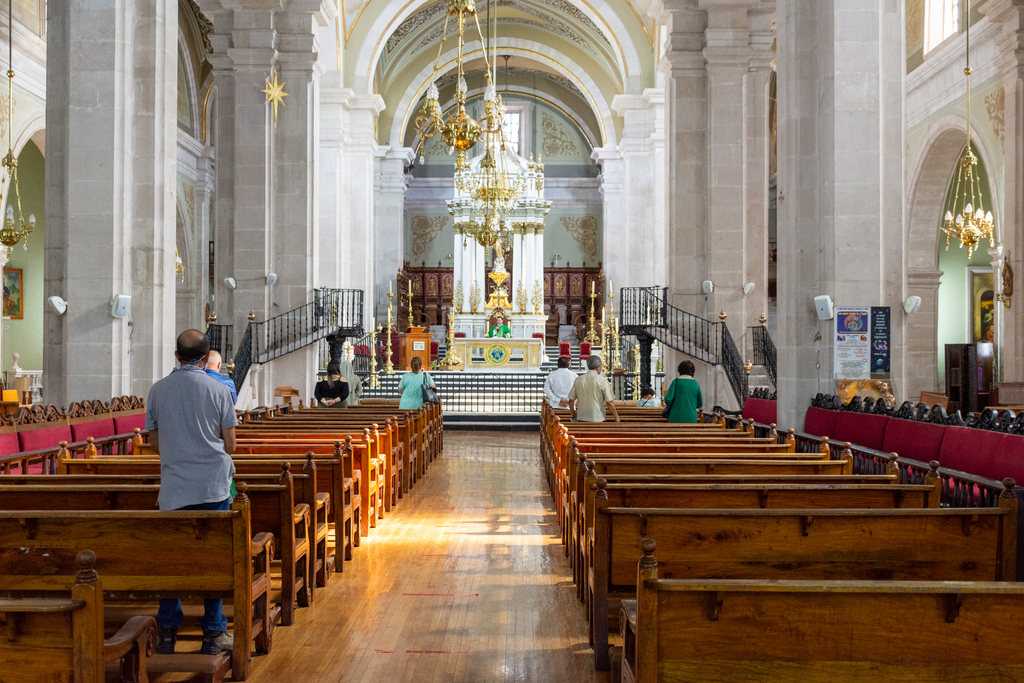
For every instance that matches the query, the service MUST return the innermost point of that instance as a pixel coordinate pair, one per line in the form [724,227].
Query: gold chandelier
[9,234]
[968,222]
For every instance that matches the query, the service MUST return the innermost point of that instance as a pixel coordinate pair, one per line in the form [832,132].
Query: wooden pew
[146,555]
[334,477]
[841,631]
[272,509]
[61,638]
[821,544]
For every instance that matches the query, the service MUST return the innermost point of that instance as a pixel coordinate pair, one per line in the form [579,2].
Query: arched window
[941,20]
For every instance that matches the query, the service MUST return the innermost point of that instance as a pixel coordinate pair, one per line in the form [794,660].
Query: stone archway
[926,197]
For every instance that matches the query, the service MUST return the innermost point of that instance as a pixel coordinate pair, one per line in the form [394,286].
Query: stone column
[389,213]
[111,84]
[633,179]
[1010,229]
[841,69]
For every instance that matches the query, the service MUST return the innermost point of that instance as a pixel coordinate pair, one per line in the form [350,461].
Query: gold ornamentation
[556,141]
[275,94]
[188,193]
[389,366]
[538,297]
[373,382]
[458,297]
[451,360]
[9,234]
[424,230]
[474,297]
[592,336]
[583,229]
[521,297]
[995,104]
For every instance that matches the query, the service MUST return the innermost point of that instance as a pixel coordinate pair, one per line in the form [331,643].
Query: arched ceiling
[578,53]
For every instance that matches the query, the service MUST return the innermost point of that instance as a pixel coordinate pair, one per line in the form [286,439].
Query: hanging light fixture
[968,222]
[10,235]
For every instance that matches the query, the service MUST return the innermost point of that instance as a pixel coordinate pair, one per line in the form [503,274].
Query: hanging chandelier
[968,222]
[10,235]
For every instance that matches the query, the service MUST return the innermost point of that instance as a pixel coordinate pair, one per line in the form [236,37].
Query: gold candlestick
[389,367]
[605,361]
[636,360]
[410,304]
[373,382]
[617,365]
[592,337]
[451,360]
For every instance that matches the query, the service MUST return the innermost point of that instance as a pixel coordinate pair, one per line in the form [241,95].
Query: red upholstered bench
[986,454]
[820,422]
[861,429]
[915,440]
[760,410]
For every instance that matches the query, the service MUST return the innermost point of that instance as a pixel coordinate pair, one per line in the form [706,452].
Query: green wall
[953,304]
[25,337]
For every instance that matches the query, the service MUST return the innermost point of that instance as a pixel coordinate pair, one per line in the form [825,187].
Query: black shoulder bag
[429,393]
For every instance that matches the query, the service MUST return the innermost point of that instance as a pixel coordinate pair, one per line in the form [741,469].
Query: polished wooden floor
[466,580]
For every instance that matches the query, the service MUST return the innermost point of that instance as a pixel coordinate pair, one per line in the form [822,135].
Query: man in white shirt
[558,384]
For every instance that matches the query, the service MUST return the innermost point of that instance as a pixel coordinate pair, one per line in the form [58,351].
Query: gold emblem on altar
[497,354]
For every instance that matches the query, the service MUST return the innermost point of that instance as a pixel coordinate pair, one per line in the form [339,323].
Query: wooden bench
[820,544]
[334,477]
[144,556]
[61,638]
[284,505]
[840,631]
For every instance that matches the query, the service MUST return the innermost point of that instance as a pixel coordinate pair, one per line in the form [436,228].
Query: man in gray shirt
[191,422]
[591,395]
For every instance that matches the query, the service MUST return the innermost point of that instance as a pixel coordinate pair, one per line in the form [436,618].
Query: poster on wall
[14,304]
[862,343]
[981,305]
[852,359]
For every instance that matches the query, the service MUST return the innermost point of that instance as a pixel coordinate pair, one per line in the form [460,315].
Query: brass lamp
[968,222]
[9,234]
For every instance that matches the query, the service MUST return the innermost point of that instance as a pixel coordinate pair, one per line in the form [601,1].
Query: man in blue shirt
[213,370]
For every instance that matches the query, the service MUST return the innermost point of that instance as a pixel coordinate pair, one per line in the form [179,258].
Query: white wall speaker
[823,305]
[57,304]
[271,279]
[912,304]
[748,288]
[230,283]
[708,286]
[121,306]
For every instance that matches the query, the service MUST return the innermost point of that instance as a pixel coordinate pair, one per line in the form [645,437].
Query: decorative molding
[995,104]
[583,229]
[189,195]
[915,24]
[5,106]
[424,230]
[205,25]
[556,141]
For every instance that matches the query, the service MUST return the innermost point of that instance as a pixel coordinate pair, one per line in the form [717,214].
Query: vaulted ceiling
[575,54]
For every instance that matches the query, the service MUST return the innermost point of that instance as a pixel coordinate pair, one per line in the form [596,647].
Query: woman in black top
[332,392]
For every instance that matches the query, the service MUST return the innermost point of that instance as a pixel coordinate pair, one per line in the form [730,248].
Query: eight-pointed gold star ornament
[275,93]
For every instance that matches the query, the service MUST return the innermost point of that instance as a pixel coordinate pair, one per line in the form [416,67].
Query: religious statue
[499,328]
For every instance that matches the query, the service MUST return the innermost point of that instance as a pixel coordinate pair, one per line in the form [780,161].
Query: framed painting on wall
[982,303]
[14,296]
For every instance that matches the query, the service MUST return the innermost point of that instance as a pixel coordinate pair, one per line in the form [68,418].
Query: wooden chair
[61,639]
[933,398]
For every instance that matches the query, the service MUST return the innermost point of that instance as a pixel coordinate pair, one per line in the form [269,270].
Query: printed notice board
[862,337]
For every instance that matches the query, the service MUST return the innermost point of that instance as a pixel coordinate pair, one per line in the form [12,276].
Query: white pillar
[841,197]
[111,84]
[389,214]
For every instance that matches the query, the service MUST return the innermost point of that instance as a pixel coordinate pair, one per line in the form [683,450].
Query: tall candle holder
[389,367]
[373,382]
[617,362]
[410,304]
[451,360]
[592,336]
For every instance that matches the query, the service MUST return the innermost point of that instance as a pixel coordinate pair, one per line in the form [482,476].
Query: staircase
[764,373]
[646,312]
[332,311]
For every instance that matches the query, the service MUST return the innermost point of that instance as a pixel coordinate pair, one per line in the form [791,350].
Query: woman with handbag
[683,397]
[412,385]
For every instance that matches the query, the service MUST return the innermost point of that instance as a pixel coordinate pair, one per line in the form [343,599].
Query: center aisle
[466,580]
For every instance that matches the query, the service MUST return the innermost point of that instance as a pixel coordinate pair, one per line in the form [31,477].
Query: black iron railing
[331,312]
[220,338]
[476,392]
[764,351]
[647,313]
[243,359]
[361,349]
[733,365]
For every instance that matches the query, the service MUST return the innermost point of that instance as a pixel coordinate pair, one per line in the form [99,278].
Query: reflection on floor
[465,581]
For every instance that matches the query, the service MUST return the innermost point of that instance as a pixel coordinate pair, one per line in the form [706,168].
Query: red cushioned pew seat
[820,422]
[760,410]
[986,454]
[862,429]
[97,429]
[915,440]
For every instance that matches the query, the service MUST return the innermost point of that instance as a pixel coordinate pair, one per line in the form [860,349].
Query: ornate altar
[567,296]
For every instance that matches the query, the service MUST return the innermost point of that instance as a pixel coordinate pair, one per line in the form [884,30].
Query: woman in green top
[684,395]
[411,386]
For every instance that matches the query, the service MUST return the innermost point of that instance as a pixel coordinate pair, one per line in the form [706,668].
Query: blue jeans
[170,616]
